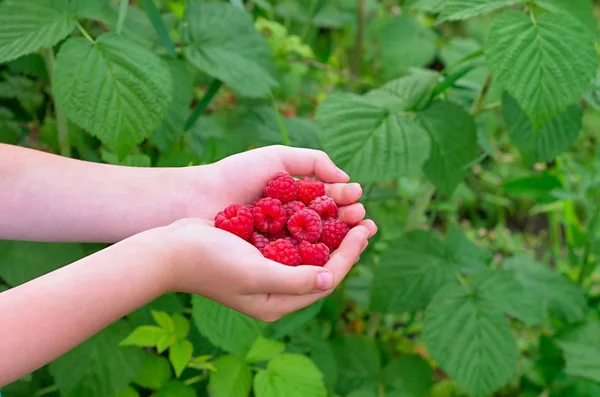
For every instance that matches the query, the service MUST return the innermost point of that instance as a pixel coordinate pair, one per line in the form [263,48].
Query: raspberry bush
[472,126]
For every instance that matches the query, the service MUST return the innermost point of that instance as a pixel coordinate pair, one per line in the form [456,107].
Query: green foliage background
[472,125]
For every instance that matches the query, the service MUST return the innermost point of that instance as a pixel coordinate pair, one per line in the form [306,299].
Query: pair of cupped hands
[227,269]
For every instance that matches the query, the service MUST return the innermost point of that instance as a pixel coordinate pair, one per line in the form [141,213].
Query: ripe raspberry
[309,189]
[313,254]
[333,233]
[305,225]
[236,219]
[280,234]
[325,207]
[282,187]
[259,241]
[292,207]
[269,215]
[282,251]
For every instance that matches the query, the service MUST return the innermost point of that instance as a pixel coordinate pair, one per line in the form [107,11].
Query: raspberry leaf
[410,374]
[29,25]
[113,88]
[545,63]
[290,375]
[226,328]
[154,373]
[413,269]
[232,377]
[453,135]
[264,349]
[468,335]
[581,347]
[145,336]
[99,367]
[370,142]
[543,143]
[358,361]
[580,9]
[455,10]
[224,44]
[180,354]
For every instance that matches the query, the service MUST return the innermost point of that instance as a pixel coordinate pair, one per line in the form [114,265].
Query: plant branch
[213,88]
[360,33]
[478,104]
[282,130]
[61,121]
[85,33]
[122,15]
[155,18]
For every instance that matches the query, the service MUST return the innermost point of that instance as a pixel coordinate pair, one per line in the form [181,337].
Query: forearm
[44,197]
[48,316]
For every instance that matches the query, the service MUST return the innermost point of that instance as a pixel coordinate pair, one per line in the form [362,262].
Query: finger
[372,226]
[275,278]
[305,162]
[344,193]
[352,214]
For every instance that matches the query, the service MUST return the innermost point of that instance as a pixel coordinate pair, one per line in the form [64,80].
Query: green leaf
[549,289]
[545,65]
[180,354]
[413,268]
[408,93]
[144,336]
[22,261]
[225,45]
[543,143]
[358,361]
[182,325]
[582,350]
[226,328]
[164,321]
[464,9]
[98,367]
[175,389]
[290,375]
[132,160]
[580,9]
[291,322]
[264,349]
[29,25]
[311,343]
[154,373]
[411,375]
[173,126]
[127,392]
[470,339]
[232,377]
[115,89]
[453,135]
[405,43]
[369,142]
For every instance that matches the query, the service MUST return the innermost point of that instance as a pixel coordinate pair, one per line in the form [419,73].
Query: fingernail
[324,281]
[343,173]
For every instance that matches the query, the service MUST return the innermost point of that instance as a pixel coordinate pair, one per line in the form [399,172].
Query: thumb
[276,278]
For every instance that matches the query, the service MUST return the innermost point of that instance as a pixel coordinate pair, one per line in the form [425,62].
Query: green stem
[213,88]
[420,207]
[478,104]
[195,379]
[46,390]
[282,129]
[373,324]
[555,238]
[61,121]
[122,15]
[359,40]
[155,18]
[587,265]
[85,33]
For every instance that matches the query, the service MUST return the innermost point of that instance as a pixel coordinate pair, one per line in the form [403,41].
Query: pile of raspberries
[295,223]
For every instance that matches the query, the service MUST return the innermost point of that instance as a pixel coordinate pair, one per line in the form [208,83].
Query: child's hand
[241,179]
[211,262]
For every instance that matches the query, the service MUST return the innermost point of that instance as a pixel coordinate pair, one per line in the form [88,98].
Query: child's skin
[161,219]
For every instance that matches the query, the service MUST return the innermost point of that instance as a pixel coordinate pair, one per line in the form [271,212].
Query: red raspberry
[269,215]
[282,187]
[280,234]
[333,233]
[313,254]
[259,241]
[325,207]
[236,219]
[282,251]
[309,189]
[292,207]
[305,225]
